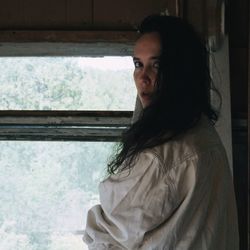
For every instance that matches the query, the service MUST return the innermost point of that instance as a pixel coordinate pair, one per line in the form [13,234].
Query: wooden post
[248,233]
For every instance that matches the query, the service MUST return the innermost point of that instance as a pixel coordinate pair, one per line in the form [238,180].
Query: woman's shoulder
[198,140]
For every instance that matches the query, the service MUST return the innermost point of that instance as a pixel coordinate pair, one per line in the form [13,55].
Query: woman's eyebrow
[151,58]
[155,57]
[135,58]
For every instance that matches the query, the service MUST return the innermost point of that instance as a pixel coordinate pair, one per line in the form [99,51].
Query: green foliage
[63,84]
[46,190]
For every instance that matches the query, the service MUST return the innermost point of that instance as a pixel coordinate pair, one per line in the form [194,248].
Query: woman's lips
[145,97]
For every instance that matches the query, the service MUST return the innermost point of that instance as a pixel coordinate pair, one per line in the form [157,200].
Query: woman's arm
[131,206]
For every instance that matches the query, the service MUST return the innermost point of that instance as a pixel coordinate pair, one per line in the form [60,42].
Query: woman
[170,185]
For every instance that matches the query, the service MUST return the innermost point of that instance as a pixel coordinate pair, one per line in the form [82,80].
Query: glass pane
[46,189]
[67,83]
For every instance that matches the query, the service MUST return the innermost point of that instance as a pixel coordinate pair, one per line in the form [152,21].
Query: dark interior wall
[238,24]
[238,42]
[78,14]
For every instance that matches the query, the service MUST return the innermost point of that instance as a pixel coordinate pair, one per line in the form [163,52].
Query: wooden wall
[238,39]
[239,64]
[79,14]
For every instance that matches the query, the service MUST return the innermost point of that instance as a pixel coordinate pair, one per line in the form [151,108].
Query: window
[46,190]
[60,118]
[66,83]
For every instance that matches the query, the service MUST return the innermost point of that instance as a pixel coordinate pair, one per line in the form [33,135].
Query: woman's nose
[145,76]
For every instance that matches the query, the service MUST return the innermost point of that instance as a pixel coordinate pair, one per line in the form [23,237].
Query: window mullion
[64,125]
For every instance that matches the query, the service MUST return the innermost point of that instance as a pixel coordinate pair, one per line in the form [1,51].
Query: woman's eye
[137,64]
[156,64]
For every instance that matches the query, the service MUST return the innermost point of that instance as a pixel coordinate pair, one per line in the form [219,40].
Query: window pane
[46,189]
[67,83]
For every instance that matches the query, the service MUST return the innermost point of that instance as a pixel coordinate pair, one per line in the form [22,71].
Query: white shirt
[178,196]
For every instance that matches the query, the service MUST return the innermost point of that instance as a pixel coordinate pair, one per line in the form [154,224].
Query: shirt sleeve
[132,204]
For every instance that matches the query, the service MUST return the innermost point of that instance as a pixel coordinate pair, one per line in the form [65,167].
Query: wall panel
[239,75]
[127,14]
[45,14]
[195,13]
[11,14]
[238,40]
[79,13]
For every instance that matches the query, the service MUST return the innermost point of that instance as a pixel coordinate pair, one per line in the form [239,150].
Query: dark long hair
[182,91]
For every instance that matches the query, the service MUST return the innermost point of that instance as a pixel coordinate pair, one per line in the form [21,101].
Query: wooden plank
[65,49]
[238,23]
[64,125]
[43,14]
[239,76]
[248,145]
[196,14]
[67,43]
[17,36]
[66,118]
[79,13]
[62,113]
[128,14]
[11,14]
[60,134]
[181,8]
[64,14]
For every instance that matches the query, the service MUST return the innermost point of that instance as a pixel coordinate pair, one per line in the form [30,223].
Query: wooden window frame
[65,125]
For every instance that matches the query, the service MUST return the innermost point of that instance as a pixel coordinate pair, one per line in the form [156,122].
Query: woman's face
[146,60]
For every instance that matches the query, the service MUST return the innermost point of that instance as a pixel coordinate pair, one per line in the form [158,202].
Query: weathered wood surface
[64,125]
[60,134]
[67,43]
[66,118]
[79,14]
[71,36]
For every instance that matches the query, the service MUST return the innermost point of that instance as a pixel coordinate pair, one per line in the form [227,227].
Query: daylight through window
[46,187]
[67,83]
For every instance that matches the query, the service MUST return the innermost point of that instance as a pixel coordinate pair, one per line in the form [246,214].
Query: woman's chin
[145,101]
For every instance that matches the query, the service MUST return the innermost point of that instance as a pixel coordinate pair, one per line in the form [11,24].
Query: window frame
[65,125]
